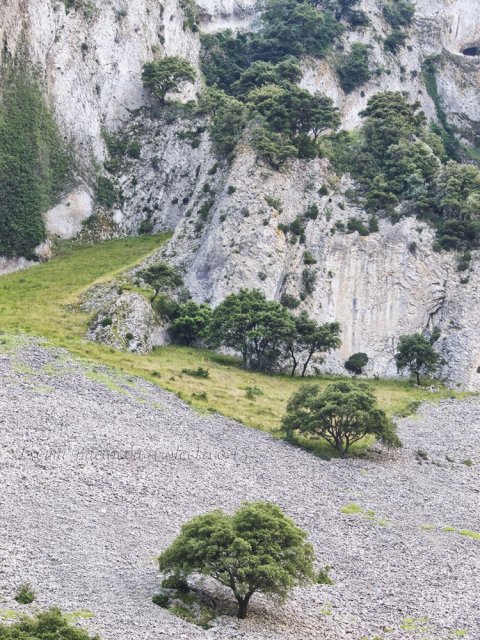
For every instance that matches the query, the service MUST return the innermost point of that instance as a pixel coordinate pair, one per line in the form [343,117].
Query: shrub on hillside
[341,414]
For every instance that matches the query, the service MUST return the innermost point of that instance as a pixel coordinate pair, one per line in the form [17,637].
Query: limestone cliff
[378,287]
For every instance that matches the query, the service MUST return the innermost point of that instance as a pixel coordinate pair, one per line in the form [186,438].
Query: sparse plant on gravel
[25,594]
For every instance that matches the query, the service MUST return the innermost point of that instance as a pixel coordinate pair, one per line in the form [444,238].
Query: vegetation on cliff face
[34,164]
[260,71]
[402,168]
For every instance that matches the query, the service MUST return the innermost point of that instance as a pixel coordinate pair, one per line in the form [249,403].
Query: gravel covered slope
[98,473]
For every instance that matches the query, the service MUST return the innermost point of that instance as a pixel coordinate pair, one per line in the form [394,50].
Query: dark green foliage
[308,259]
[309,280]
[190,12]
[257,549]
[161,277]
[272,146]
[399,165]
[464,261]
[394,41]
[145,227]
[416,353]
[398,13]
[200,372]
[25,594]
[161,599]
[44,626]
[254,326]
[356,363]
[312,212]
[353,68]
[293,28]
[293,111]
[289,301]
[354,224]
[165,75]
[34,165]
[106,322]
[443,129]
[373,224]
[261,70]
[262,73]
[223,58]
[310,341]
[191,322]
[228,118]
[134,149]
[166,307]
[175,582]
[290,121]
[106,193]
[341,414]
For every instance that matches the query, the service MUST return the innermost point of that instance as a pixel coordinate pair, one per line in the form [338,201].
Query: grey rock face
[376,287]
[127,323]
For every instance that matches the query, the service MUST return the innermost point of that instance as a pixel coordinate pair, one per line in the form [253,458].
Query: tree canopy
[253,326]
[165,75]
[356,363]
[161,277]
[257,549]
[401,168]
[416,353]
[191,322]
[268,335]
[343,413]
[311,341]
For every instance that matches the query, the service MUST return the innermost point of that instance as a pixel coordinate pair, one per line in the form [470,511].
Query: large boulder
[127,323]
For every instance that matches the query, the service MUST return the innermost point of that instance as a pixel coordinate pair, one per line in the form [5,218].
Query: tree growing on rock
[161,277]
[341,414]
[416,353]
[165,75]
[258,549]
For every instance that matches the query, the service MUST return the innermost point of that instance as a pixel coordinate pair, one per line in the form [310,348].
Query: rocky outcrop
[127,323]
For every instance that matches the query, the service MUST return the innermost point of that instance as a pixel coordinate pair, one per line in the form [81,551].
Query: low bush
[200,372]
[48,625]
[25,594]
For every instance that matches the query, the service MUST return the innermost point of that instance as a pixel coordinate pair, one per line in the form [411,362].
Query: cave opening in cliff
[471,51]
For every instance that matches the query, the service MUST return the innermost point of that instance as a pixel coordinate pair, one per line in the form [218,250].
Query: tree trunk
[418,377]
[243,606]
[304,370]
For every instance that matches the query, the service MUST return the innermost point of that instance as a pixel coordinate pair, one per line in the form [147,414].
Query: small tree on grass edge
[343,413]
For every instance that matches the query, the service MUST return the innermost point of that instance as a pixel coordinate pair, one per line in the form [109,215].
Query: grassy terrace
[38,301]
